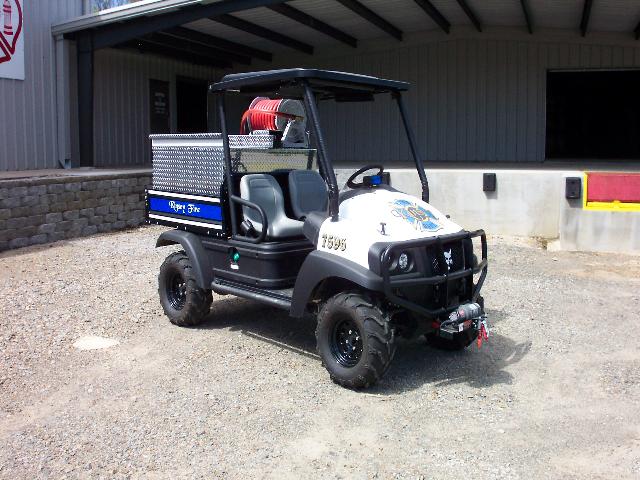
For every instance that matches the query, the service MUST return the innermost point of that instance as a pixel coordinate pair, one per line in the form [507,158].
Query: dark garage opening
[593,115]
[191,99]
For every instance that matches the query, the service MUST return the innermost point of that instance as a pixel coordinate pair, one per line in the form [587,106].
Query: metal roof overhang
[222,33]
[119,25]
[122,14]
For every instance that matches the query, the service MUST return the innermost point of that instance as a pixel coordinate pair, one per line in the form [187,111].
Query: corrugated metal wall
[28,108]
[473,99]
[122,102]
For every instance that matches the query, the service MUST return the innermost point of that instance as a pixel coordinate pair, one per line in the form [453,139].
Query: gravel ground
[555,393]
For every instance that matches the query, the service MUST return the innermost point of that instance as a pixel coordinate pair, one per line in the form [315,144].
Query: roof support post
[586,13]
[527,15]
[435,14]
[220,98]
[85,98]
[413,146]
[323,158]
[637,31]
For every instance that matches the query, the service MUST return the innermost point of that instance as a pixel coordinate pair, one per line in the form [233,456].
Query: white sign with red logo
[11,39]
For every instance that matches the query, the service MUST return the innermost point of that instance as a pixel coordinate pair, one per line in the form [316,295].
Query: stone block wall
[39,210]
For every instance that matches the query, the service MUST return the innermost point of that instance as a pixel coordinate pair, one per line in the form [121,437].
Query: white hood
[361,217]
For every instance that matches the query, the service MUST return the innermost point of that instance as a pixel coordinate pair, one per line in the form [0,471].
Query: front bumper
[393,285]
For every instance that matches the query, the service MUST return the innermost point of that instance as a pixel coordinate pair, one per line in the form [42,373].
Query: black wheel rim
[176,291]
[346,343]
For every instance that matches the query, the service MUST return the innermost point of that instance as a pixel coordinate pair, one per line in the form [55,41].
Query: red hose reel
[267,114]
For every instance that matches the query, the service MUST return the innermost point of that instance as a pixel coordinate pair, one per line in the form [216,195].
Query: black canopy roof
[327,83]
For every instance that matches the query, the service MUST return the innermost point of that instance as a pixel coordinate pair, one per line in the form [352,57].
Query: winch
[468,315]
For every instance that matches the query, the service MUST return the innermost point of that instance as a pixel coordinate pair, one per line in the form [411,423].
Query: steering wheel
[352,184]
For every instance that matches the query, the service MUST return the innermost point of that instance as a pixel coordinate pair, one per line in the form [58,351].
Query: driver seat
[263,189]
[308,193]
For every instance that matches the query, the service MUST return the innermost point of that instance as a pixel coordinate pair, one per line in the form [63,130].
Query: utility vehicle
[260,216]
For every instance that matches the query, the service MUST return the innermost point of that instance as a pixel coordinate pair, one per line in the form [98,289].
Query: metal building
[500,84]
[480,71]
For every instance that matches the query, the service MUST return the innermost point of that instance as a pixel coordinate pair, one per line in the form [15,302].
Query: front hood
[380,216]
[404,217]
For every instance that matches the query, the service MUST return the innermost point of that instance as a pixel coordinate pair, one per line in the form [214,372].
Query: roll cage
[310,86]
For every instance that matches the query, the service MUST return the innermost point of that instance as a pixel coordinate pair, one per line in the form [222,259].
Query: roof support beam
[195,48]
[471,14]
[372,17]
[219,43]
[260,31]
[435,14]
[311,22]
[112,34]
[527,15]
[586,13]
[146,46]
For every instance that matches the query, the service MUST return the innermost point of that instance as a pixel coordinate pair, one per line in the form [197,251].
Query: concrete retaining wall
[40,210]
[530,203]
[599,231]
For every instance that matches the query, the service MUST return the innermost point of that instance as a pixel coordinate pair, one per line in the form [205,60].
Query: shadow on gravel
[415,363]
[269,324]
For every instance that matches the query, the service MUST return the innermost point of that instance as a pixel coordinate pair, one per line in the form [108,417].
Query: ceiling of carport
[406,15]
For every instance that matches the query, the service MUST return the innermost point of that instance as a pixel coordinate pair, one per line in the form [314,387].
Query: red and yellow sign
[611,191]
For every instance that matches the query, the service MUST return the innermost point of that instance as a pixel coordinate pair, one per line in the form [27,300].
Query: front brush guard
[389,283]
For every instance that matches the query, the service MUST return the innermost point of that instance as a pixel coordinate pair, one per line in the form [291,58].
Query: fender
[194,250]
[319,266]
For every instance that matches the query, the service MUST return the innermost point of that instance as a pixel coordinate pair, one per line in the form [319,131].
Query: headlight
[403,261]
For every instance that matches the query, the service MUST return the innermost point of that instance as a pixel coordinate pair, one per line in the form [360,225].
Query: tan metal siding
[28,135]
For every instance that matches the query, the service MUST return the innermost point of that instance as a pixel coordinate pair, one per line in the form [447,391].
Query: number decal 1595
[335,243]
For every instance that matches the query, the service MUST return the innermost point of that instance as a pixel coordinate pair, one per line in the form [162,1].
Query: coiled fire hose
[263,114]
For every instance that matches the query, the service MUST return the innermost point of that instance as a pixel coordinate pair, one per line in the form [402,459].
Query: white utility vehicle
[259,215]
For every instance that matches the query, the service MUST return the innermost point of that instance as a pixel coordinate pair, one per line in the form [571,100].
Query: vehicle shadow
[268,324]
[415,363]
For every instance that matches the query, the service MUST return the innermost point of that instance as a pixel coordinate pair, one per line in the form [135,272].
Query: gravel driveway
[555,393]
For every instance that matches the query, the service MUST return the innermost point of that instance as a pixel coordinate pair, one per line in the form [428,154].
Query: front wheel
[182,300]
[354,340]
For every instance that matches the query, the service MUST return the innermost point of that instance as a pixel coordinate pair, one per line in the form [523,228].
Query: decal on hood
[421,218]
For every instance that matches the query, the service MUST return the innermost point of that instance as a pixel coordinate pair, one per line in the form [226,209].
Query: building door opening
[191,100]
[593,115]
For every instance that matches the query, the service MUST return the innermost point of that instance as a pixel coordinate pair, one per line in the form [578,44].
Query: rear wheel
[354,340]
[182,300]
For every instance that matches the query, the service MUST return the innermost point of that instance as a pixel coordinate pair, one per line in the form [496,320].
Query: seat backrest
[308,192]
[263,189]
